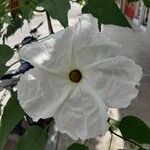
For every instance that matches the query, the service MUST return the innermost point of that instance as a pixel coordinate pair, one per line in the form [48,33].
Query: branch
[110,141]
[51,31]
[14,63]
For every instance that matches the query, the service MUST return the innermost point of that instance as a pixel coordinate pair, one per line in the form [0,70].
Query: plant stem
[111,131]
[51,31]
[14,63]
[110,141]
[100,27]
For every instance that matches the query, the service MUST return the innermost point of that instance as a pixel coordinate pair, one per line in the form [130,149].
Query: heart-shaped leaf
[107,12]
[135,129]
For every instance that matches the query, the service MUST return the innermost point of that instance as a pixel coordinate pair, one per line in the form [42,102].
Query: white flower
[77,77]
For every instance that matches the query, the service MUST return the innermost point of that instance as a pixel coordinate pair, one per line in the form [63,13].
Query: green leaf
[133,128]
[3,69]
[12,115]
[77,146]
[107,12]
[34,138]
[7,19]
[27,7]
[146,3]
[13,27]
[114,124]
[5,53]
[58,9]
[2,10]
[1,26]
[131,1]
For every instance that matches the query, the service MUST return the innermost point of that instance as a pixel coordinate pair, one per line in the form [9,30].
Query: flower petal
[84,31]
[98,50]
[51,53]
[40,93]
[115,80]
[83,115]
[88,44]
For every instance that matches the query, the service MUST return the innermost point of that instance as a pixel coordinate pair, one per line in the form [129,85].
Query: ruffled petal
[88,44]
[84,31]
[99,49]
[115,80]
[51,53]
[40,93]
[83,115]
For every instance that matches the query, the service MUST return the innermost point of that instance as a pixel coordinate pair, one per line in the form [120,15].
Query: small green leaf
[5,53]
[58,9]
[11,116]
[133,128]
[114,124]
[77,146]
[34,138]
[107,12]
[146,3]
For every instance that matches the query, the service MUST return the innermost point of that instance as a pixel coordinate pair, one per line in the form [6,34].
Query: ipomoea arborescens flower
[77,77]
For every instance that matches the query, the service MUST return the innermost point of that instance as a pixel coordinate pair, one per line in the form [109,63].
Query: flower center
[75,76]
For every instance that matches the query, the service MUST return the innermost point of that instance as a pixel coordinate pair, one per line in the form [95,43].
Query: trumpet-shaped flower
[77,77]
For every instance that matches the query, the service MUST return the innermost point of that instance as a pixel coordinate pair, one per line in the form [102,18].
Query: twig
[51,31]
[110,141]
[100,27]
[14,63]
